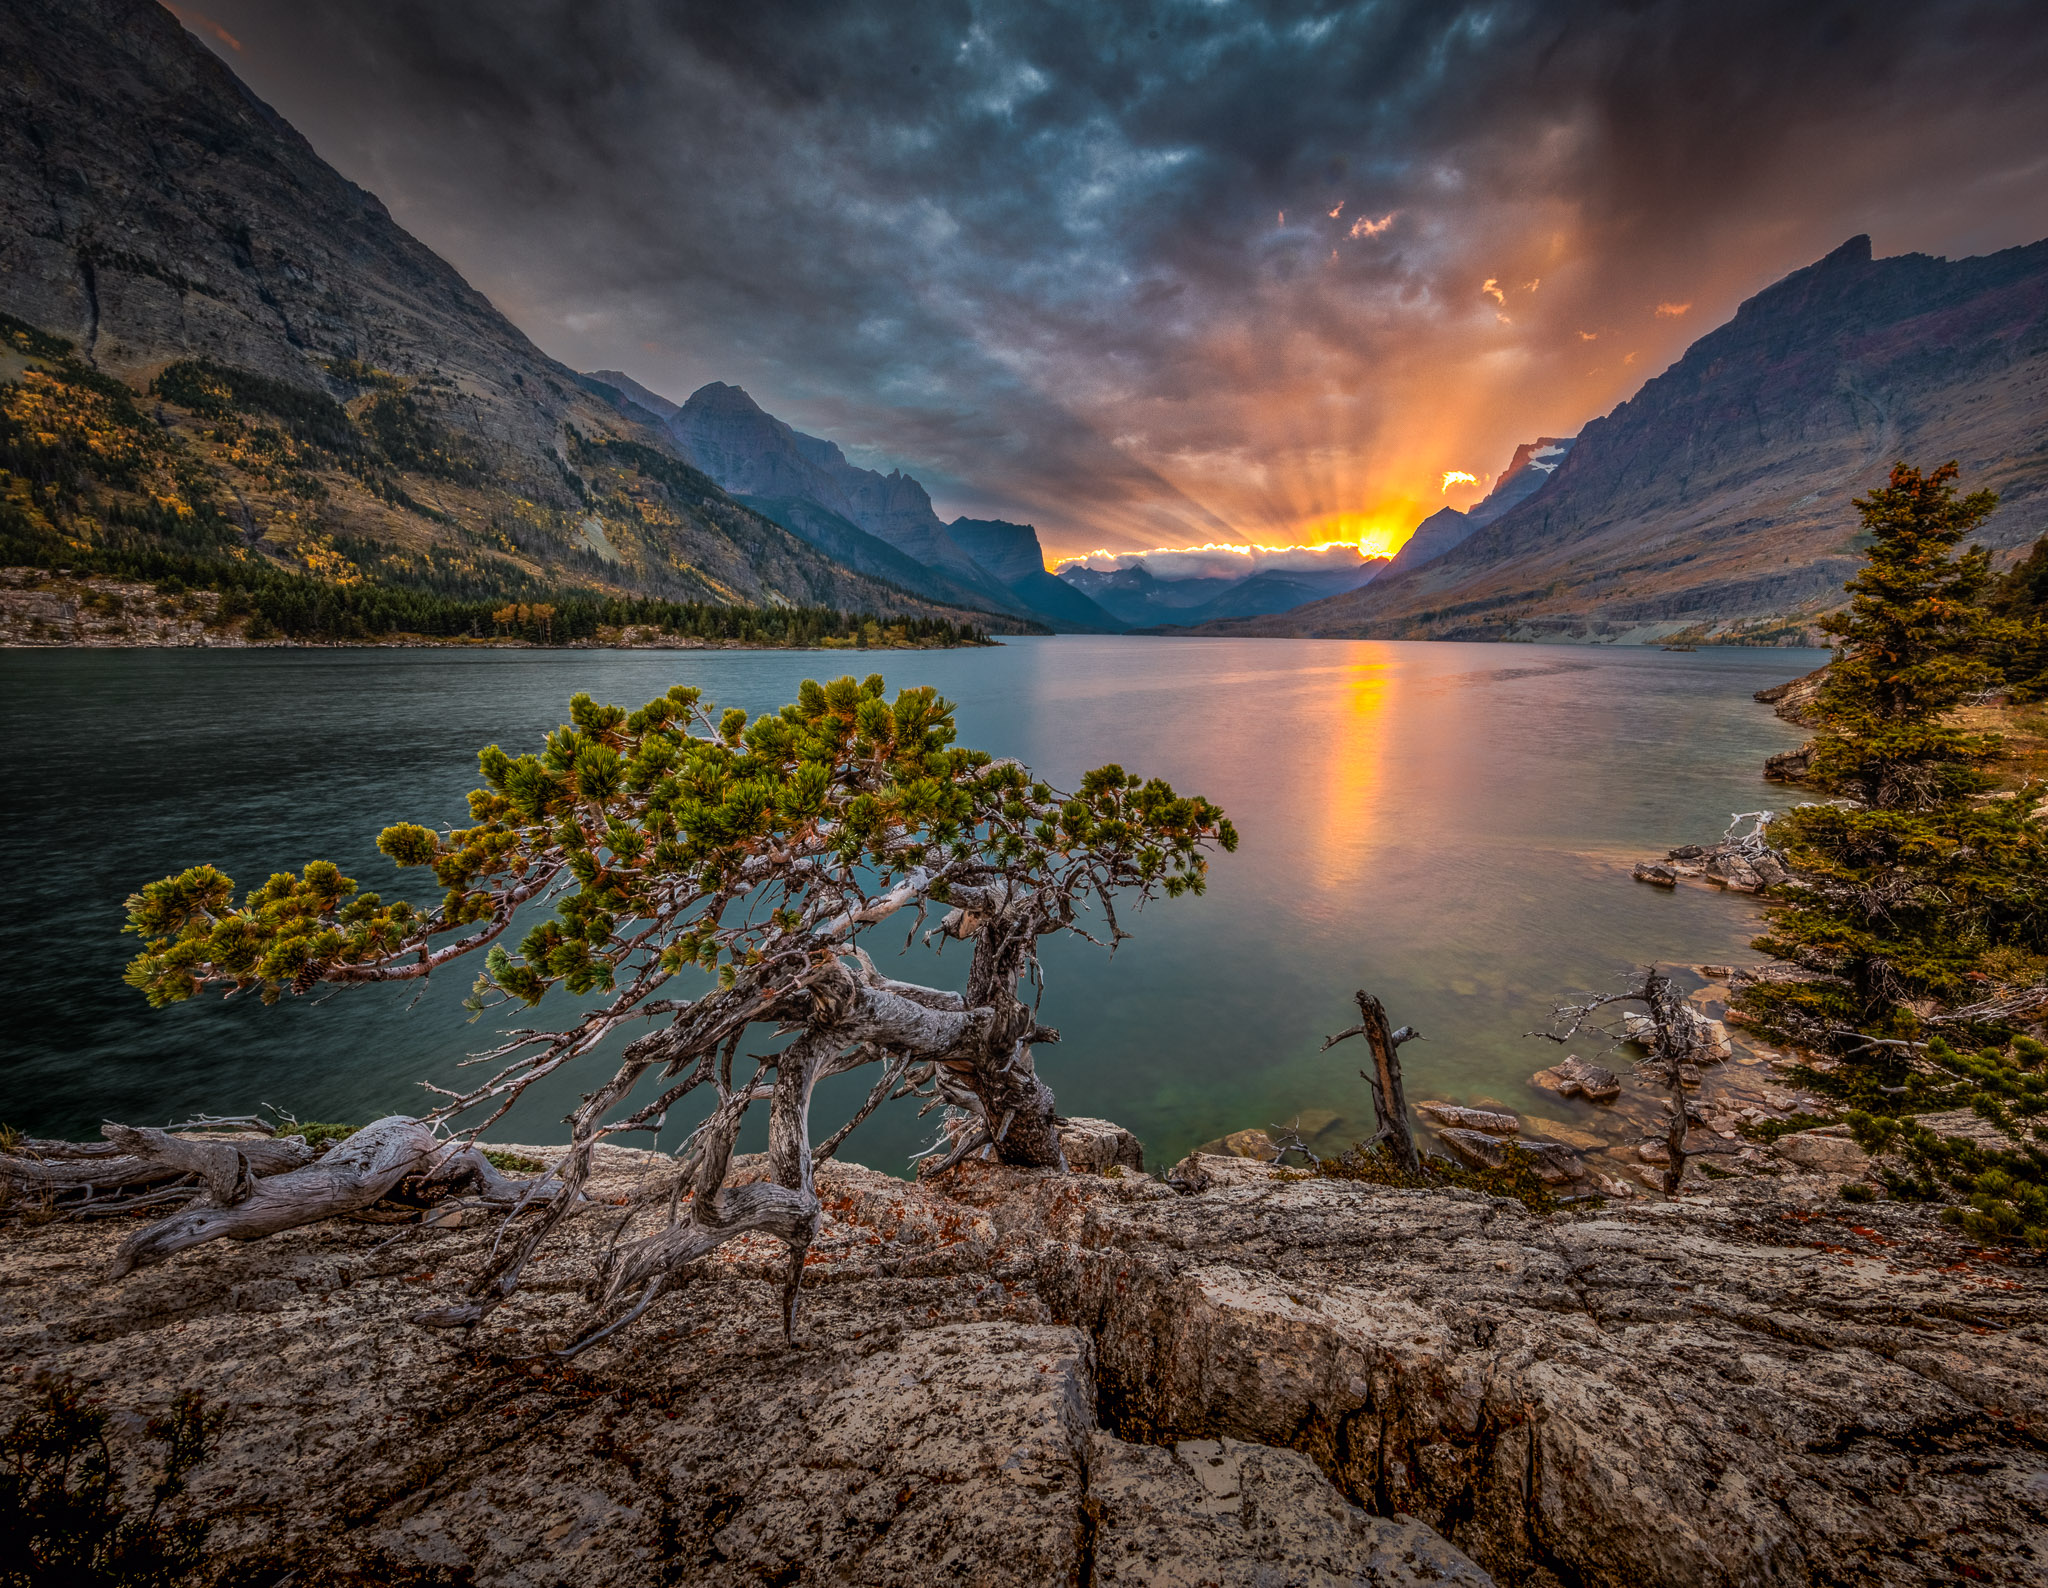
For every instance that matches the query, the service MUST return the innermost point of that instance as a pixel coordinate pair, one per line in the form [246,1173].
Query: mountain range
[1716,504]
[1142,601]
[333,395]
[882,524]
[302,381]
[885,525]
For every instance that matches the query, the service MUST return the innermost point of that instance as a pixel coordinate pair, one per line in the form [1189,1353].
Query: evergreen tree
[1916,903]
[1914,643]
[1903,892]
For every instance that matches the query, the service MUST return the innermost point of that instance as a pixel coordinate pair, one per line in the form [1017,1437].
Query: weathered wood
[133,1157]
[1389,1099]
[354,1173]
[1681,1038]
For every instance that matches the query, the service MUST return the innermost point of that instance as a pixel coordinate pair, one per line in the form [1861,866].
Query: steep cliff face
[750,452]
[151,208]
[1528,471]
[153,211]
[1718,499]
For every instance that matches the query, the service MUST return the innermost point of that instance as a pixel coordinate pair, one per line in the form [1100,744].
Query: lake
[1450,826]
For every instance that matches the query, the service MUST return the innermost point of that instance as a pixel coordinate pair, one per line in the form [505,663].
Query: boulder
[1734,871]
[1205,1171]
[1656,873]
[1822,1152]
[1555,1163]
[1790,767]
[1493,1122]
[1095,1146]
[1576,1078]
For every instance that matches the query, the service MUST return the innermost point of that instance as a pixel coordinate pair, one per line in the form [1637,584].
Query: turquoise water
[1450,826]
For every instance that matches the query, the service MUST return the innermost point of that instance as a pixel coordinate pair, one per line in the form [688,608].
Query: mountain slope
[334,397]
[846,542]
[1012,553]
[1716,502]
[1138,598]
[751,453]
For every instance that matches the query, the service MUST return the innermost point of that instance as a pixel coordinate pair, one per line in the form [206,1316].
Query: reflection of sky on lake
[1448,825]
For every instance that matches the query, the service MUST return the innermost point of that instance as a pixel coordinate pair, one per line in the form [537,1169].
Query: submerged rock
[1577,1078]
[1493,1122]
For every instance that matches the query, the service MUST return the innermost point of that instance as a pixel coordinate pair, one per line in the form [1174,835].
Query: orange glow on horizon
[1379,534]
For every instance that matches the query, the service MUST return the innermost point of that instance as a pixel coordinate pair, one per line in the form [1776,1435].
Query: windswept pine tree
[703,875]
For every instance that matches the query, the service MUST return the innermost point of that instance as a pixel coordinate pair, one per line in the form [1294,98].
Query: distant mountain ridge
[806,483]
[1141,600]
[1527,473]
[1715,503]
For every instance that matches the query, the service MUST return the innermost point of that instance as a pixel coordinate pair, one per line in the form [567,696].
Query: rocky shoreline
[1024,1377]
[1605,1134]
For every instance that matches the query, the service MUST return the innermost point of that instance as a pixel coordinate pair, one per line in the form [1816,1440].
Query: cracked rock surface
[1021,1377]
[935,1423]
[1761,1386]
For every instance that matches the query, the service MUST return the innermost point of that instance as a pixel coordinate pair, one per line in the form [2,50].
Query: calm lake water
[1450,826]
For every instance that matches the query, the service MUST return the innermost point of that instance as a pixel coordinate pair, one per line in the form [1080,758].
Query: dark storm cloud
[1036,253]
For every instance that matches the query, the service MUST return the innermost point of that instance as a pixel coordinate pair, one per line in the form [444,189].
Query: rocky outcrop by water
[1023,1377]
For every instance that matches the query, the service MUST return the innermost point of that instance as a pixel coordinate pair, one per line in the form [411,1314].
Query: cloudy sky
[1170,273]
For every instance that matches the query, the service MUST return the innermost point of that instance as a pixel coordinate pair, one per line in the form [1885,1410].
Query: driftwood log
[350,1175]
[142,1167]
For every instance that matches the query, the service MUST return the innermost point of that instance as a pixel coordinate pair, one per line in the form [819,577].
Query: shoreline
[44,611]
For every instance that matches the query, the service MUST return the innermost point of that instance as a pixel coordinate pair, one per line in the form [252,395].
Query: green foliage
[1516,1178]
[2003,1193]
[1921,894]
[219,391]
[659,827]
[1904,894]
[1895,905]
[410,438]
[1769,1130]
[512,1162]
[25,338]
[320,1136]
[64,1521]
[1914,641]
